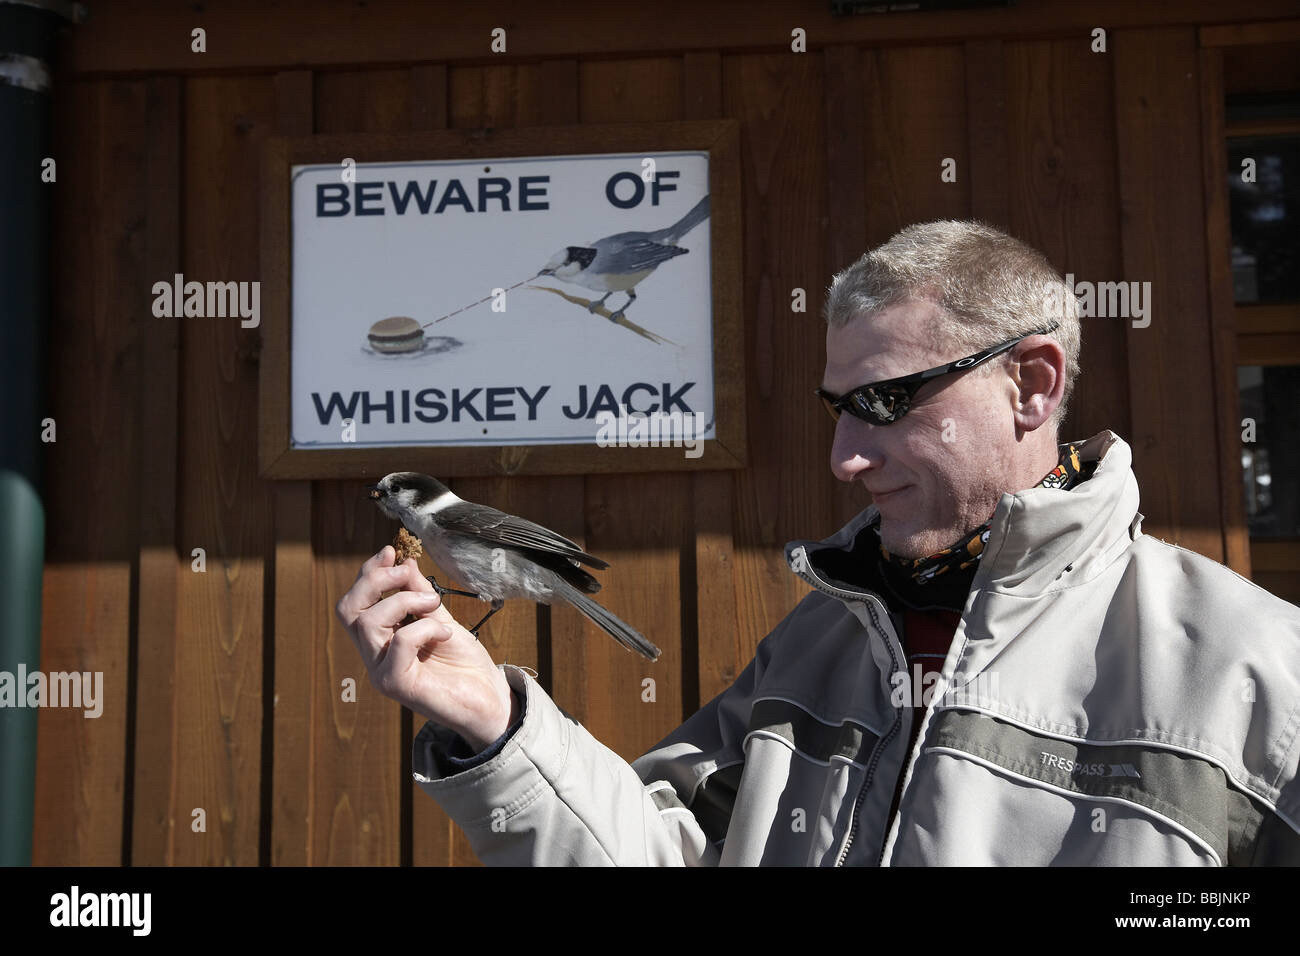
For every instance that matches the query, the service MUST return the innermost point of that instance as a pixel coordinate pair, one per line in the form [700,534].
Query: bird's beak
[374,492]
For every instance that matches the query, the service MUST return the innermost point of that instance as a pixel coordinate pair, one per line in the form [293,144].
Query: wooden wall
[223,688]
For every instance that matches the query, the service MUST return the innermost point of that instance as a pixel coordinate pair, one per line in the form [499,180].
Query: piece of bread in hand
[406,545]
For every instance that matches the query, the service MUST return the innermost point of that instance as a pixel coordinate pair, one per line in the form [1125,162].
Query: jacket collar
[1039,537]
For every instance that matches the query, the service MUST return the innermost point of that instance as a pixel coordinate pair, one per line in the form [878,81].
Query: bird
[618,262]
[499,555]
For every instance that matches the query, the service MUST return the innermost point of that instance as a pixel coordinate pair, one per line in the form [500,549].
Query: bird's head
[568,262]
[405,493]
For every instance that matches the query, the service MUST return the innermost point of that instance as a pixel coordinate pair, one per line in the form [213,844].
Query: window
[1263,171]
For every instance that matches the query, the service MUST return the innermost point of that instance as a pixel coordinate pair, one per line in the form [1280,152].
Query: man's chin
[909,542]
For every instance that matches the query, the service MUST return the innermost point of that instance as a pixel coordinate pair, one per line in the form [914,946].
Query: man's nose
[854,449]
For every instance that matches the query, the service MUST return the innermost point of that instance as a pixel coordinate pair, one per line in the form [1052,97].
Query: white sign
[499,302]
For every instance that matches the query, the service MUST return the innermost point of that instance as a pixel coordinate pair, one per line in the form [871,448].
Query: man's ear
[1038,370]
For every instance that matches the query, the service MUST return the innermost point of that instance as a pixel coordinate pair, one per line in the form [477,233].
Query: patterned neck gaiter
[966,552]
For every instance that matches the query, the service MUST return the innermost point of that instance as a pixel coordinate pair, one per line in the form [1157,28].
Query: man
[995,665]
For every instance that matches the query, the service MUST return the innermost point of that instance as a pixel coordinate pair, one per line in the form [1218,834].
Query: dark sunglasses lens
[830,407]
[882,405]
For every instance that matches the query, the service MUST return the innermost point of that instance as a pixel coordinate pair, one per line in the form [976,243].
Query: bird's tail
[684,225]
[611,625]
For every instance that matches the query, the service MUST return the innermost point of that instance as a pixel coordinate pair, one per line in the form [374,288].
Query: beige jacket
[1108,699]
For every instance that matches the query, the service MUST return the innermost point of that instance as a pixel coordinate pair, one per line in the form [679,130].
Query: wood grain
[1157,112]
[786,492]
[1223,334]
[91,497]
[359,784]
[223,507]
[152,751]
[986,125]
[712,657]
[148,35]
[1064,200]
[296,658]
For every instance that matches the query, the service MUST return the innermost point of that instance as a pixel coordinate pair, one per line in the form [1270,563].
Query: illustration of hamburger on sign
[400,335]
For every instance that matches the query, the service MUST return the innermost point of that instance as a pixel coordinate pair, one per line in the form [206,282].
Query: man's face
[938,472]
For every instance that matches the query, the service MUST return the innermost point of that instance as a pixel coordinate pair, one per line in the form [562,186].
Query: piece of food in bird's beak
[406,545]
[372,492]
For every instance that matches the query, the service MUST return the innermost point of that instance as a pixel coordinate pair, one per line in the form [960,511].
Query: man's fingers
[415,577]
[375,625]
[384,559]
[409,640]
[372,584]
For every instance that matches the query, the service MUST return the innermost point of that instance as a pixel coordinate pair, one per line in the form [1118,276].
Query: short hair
[989,287]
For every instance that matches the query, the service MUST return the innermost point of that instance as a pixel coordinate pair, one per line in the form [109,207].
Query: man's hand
[433,666]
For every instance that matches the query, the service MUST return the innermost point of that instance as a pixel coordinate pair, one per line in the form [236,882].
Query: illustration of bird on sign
[619,262]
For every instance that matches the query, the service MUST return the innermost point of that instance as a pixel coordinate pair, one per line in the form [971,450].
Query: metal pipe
[27,34]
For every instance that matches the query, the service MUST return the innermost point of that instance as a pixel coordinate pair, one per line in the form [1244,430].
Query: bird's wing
[492,525]
[629,256]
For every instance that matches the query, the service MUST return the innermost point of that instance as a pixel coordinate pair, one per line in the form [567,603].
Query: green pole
[27,30]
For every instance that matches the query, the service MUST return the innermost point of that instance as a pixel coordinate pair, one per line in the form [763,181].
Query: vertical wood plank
[361,748]
[846,145]
[371,101]
[986,122]
[429,96]
[1223,341]
[100,290]
[718,656]
[1157,109]
[787,491]
[155,677]
[296,658]
[223,506]
[1064,200]
[915,116]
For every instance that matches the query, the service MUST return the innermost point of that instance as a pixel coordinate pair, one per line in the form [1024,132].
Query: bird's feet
[496,606]
[631,297]
[443,592]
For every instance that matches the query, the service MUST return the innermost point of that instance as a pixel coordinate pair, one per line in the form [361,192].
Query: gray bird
[498,555]
[618,262]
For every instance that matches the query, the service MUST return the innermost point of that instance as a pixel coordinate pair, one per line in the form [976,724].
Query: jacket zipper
[871,768]
[811,577]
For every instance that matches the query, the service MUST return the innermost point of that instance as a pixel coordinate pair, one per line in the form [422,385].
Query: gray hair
[989,288]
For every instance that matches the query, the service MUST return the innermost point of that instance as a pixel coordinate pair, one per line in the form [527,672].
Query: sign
[500,301]
[510,301]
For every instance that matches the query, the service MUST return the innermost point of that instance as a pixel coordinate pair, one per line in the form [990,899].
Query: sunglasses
[883,403]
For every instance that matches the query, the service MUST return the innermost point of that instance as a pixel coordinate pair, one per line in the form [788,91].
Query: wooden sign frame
[720,138]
